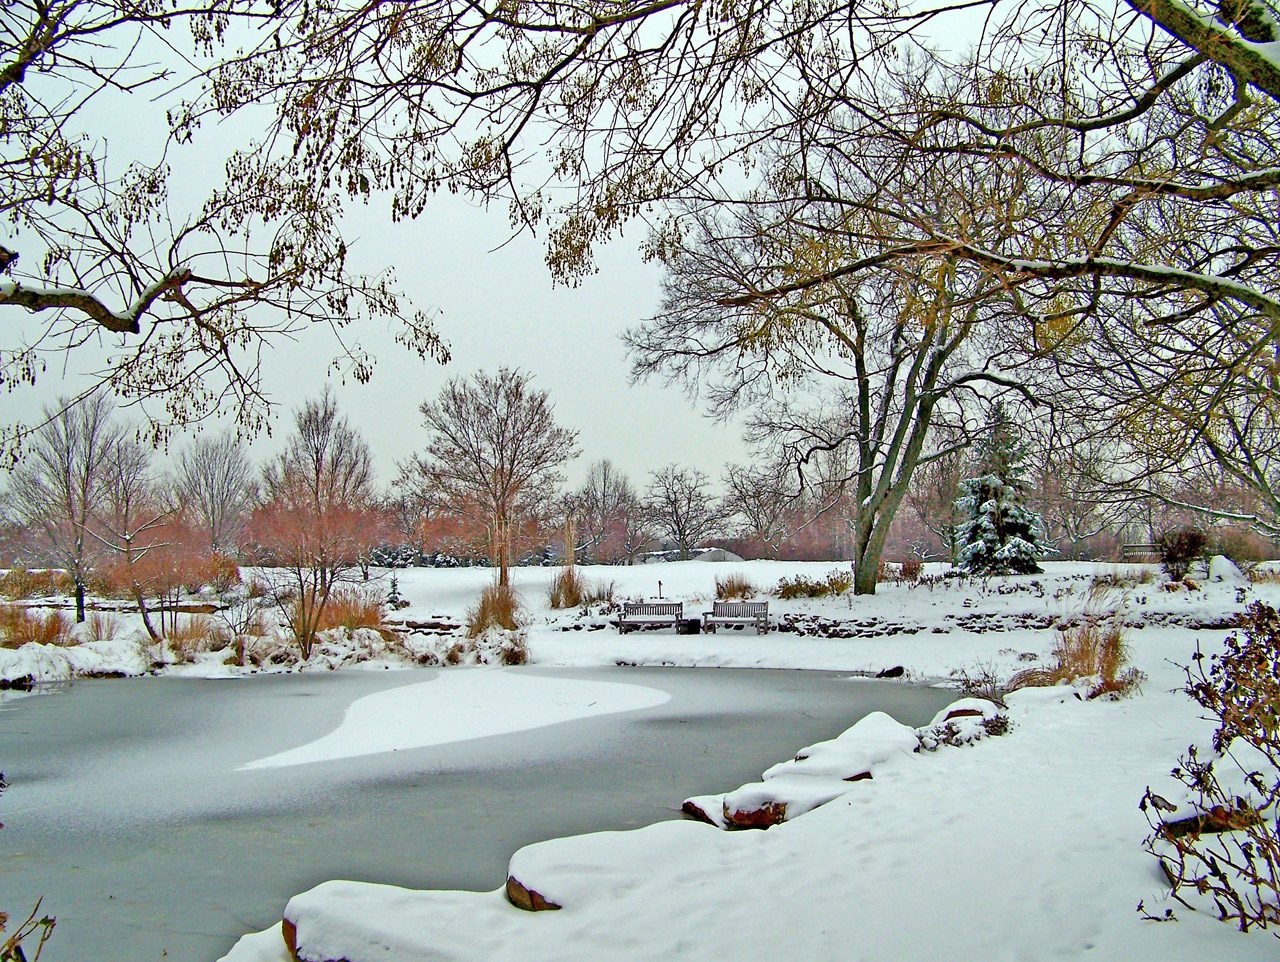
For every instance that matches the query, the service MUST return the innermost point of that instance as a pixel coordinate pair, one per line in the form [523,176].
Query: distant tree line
[488,489]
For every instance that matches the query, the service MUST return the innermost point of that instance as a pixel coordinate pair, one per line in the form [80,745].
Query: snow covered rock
[873,740]
[531,900]
[816,775]
[565,872]
[1223,569]
[761,804]
[34,663]
[705,808]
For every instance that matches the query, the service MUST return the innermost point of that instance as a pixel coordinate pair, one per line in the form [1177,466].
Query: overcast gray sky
[498,307]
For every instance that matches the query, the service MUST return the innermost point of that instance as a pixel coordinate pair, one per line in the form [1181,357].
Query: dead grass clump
[1095,649]
[21,583]
[598,593]
[101,626]
[734,585]
[498,607]
[570,590]
[1265,575]
[567,588]
[20,626]
[837,582]
[195,634]
[353,608]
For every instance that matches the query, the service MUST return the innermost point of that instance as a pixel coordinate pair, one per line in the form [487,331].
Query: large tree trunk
[79,600]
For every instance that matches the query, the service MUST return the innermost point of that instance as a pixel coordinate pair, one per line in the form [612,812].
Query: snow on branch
[1257,63]
[37,299]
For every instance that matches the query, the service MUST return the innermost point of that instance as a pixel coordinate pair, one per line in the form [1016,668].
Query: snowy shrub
[1179,548]
[499,647]
[734,585]
[836,583]
[20,626]
[983,682]
[498,607]
[963,723]
[1229,847]
[493,646]
[910,571]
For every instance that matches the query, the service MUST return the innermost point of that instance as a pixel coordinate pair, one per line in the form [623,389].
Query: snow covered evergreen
[998,533]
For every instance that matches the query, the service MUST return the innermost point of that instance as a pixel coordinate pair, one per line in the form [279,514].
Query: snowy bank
[1025,846]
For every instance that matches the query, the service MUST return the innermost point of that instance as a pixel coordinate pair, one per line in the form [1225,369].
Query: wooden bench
[737,613]
[649,614]
[1139,552]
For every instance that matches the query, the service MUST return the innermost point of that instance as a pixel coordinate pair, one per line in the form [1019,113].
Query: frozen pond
[129,810]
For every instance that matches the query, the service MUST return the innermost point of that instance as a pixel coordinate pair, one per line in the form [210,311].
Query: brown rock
[1218,819]
[290,933]
[693,810]
[526,898]
[961,713]
[860,777]
[771,813]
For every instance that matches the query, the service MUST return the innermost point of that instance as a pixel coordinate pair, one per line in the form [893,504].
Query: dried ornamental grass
[20,626]
[353,608]
[567,588]
[836,583]
[1095,649]
[734,585]
[498,607]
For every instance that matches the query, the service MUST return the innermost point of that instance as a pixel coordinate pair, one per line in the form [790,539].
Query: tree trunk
[142,610]
[865,570]
[79,601]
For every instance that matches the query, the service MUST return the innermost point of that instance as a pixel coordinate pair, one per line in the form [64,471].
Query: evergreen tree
[998,534]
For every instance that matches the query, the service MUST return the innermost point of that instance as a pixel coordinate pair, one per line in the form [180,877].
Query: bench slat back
[740,609]
[656,609]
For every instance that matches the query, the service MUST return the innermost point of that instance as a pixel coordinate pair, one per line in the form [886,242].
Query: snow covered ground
[1024,846]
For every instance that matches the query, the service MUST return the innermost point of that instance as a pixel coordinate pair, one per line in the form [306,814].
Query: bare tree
[636,530]
[932,495]
[130,518]
[412,506]
[682,507]
[1060,112]
[597,509]
[214,479]
[851,378]
[760,498]
[325,461]
[495,453]
[62,482]
[318,521]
